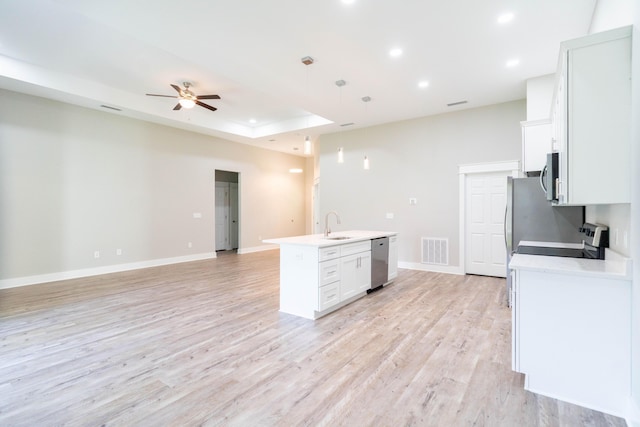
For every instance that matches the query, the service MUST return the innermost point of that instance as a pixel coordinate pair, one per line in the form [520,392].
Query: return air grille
[435,251]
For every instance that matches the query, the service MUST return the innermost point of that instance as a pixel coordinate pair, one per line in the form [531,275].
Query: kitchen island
[320,274]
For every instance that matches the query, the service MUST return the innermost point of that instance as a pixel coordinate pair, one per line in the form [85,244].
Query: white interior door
[485,202]
[222,216]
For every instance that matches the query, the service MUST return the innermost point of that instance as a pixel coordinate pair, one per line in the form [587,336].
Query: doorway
[227,210]
[483,190]
[486,195]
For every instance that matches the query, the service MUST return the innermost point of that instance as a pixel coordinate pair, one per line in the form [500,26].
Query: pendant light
[307,145]
[307,60]
[365,163]
[340,84]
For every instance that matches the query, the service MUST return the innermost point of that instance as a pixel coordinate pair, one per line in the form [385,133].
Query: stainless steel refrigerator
[530,217]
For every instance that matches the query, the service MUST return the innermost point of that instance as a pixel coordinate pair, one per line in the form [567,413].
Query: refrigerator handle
[504,227]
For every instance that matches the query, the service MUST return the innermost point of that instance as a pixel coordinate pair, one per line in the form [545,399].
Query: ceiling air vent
[347,124]
[456,103]
[111,108]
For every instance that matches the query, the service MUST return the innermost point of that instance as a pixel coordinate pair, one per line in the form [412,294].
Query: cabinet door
[393,257]
[599,105]
[363,282]
[515,322]
[355,274]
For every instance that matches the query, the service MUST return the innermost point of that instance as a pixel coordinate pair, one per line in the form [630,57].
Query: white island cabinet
[319,275]
[571,333]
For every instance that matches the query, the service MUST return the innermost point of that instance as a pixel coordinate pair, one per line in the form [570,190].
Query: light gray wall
[419,159]
[74,181]
[539,96]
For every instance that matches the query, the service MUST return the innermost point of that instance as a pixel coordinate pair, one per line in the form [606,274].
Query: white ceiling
[97,52]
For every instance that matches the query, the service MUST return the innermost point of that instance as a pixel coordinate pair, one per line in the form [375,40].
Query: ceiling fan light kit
[187,99]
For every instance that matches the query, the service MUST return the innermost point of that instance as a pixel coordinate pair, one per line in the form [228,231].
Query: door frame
[238,206]
[512,166]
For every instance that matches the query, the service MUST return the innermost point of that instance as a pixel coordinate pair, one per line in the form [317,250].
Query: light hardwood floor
[203,343]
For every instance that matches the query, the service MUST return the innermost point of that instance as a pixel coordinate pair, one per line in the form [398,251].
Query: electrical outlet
[197,215]
[118,251]
[96,254]
[189,244]
[389,215]
[413,201]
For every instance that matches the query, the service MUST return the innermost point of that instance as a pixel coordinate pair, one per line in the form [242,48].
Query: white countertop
[614,266]
[319,240]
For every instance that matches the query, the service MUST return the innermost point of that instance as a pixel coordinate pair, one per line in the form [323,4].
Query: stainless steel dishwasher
[379,263]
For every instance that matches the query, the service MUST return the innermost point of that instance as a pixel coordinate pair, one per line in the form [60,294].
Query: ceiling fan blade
[177,88]
[177,107]
[164,96]
[208,96]
[209,107]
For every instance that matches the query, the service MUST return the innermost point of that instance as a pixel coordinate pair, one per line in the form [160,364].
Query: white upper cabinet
[591,119]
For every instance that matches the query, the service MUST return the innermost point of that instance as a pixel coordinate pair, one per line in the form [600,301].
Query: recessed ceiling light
[295,170]
[512,62]
[395,52]
[505,17]
[253,121]
[348,1]
[422,84]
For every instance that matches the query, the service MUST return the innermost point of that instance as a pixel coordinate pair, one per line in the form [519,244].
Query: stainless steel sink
[338,238]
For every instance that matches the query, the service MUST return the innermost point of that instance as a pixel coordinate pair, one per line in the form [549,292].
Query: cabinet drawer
[328,296]
[354,248]
[329,253]
[329,272]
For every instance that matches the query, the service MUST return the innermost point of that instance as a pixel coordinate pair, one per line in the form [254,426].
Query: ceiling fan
[188,99]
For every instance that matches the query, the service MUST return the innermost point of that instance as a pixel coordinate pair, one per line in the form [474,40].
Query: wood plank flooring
[203,343]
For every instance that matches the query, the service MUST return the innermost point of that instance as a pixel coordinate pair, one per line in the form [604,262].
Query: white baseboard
[86,272]
[449,269]
[257,249]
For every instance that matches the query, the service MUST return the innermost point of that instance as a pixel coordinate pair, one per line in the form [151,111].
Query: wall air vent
[435,251]
[456,103]
[111,108]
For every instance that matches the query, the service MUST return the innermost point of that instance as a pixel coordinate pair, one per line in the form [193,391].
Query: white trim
[463,171]
[86,272]
[511,165]
[257,249]
[448,269]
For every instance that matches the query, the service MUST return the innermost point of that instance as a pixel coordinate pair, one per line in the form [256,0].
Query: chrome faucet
[327,230]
